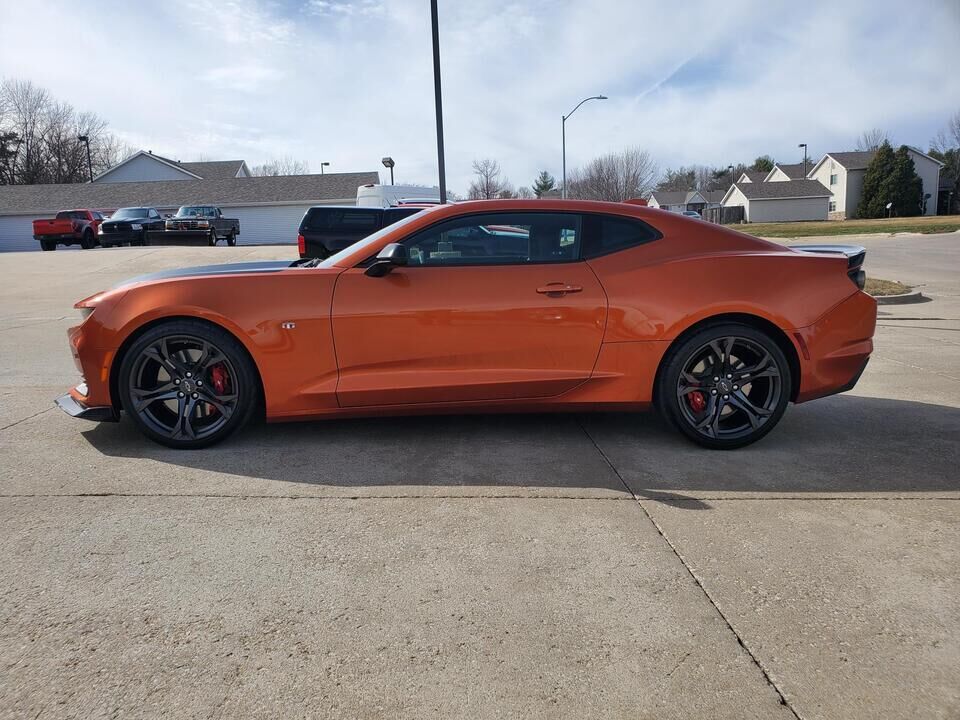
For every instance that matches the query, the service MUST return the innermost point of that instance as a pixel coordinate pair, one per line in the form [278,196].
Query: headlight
[203,223]
[136,226]
[100,230]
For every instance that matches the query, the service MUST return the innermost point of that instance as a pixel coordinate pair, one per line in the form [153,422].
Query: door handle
[558,288]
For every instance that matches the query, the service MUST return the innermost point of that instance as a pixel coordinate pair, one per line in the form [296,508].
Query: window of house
[833,206]
[833,178]
[498,239]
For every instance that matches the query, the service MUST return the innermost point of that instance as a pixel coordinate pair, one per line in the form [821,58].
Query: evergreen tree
[544,183]
[764,163]
[873,203]
[903,187]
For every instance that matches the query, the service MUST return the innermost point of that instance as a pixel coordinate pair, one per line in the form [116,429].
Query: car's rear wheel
[232,239]
[725,386]
[187,384]
[48,245]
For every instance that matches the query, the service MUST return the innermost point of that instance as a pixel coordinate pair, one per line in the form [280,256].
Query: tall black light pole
[804,146]
[323,165]
[388,163]
[439,103]
[563,124]
[86,140]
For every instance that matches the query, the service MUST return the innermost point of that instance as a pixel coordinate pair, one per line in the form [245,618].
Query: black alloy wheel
[187,384]
[725,387]
[86,240]
[48,245]
[213,238]
[232,239]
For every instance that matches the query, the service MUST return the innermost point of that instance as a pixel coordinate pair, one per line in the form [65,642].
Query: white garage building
[269,208]
[779,201]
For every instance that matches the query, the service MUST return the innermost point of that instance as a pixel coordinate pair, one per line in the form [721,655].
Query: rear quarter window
[605,234]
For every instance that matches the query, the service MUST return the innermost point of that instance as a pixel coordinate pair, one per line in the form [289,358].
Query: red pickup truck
[69,227]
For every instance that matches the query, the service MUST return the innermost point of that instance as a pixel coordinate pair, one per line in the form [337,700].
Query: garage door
[16,233]
[268,225]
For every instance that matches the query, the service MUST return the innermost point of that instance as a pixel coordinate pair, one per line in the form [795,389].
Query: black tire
[725,386]
[48,245]
[144,239]
[213,238]
[167,390]
[232,239]
[87,240]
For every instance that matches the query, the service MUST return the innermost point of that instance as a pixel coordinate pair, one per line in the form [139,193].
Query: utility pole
[85,139]
[438,101]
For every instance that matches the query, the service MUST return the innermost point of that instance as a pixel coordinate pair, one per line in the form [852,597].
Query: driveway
[516,566]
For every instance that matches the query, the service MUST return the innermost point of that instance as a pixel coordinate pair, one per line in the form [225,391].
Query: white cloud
[350,82]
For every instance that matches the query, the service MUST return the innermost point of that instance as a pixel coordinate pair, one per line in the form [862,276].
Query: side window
[154,214]
[499,239]
[604,234]
[338,220]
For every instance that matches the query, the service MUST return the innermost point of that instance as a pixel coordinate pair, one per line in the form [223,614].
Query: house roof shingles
[782,190]
[756,175]
[670,197]
[224,192]
[857,160]
[216,170]
[794,171]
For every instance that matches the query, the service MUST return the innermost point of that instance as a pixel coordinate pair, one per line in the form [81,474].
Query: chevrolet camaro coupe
[488,306]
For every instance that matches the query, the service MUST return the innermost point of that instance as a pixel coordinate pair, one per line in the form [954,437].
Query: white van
[391,195]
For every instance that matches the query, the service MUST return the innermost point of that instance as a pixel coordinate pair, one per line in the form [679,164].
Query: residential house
[843,173]
[783,172]
[680,200]
[269,208]
[779,201]
[753,176]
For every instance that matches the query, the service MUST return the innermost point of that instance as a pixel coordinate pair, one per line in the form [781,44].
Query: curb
[905,299]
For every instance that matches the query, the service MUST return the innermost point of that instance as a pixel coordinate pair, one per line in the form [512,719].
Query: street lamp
[564,131]
[323,165]
[86,140]
[804,146]
[388,163]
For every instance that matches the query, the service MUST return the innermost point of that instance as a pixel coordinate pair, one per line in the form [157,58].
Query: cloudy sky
[348,81]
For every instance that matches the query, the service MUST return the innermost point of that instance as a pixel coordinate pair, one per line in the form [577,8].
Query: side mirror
[393,255]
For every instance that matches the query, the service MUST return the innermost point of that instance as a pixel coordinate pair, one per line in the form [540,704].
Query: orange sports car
[489,306]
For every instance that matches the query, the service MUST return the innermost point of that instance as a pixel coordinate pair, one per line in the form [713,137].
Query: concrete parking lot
[528,566]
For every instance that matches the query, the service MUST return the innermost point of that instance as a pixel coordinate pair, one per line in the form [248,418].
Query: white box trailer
[391,195]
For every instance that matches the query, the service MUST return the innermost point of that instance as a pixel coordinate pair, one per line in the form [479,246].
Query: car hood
[207,270]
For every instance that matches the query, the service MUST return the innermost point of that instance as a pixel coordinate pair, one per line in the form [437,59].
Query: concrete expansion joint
[763,671]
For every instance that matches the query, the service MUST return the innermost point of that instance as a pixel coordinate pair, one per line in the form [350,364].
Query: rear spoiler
[855,253]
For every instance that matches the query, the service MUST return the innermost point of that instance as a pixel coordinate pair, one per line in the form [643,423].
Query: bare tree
[44,137]
[283,166]
[524,193]
[945,147]
[617,176]
[488,184]
[872,139]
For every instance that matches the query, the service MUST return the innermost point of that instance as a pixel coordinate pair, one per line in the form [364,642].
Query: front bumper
[118,238]
[72,404]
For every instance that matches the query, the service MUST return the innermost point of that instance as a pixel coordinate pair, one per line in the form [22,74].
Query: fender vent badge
[288,325]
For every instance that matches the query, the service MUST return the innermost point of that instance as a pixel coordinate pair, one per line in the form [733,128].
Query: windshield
[129,213]
[196,212]
[367,241]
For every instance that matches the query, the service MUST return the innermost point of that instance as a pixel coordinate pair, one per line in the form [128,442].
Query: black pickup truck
[203,221]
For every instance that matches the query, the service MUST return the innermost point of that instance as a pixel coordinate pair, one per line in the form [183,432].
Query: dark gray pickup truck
[203,221]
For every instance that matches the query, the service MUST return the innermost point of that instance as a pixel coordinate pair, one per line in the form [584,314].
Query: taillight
[858,277]
[302,245]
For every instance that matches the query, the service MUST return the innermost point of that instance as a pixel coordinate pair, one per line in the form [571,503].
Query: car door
[492,306]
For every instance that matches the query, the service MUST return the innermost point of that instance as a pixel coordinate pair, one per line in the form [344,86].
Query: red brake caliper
[697,402]
[221,381]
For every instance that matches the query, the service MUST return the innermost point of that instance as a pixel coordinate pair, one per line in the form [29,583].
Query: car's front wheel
[187,384]
[725,386]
